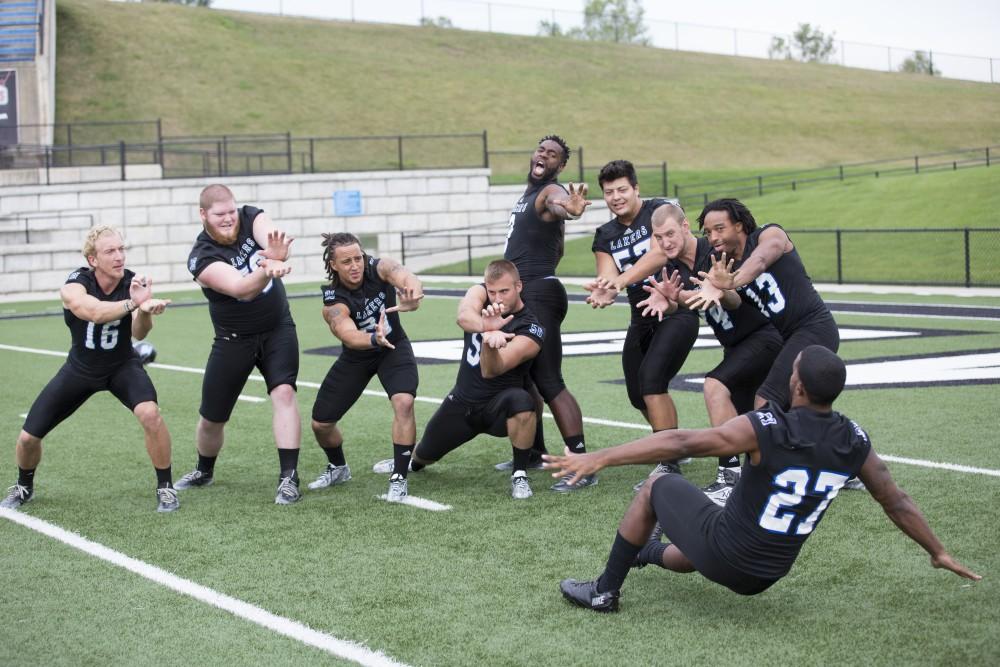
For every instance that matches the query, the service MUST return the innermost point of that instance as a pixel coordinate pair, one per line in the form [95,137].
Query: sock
[521,457]
[620,560]
[335,455]
[401,455]
[729,461]
[289,460]
[575,444]
[206,464]
[652,553]
[538,444]
[26,478]
[164,478]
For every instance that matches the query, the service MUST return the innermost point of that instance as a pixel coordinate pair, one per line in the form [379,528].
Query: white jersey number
[108,336]
[777,519]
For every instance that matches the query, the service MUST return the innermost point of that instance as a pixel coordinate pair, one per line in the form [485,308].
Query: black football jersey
[471,387]
[230,315]
[805,459]
[730,326]
[366,303]
[626,244]
[533,245]
[783,293]
[702,250]
[98,349]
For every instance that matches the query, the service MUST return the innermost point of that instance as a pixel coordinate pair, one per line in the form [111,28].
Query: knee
[323,428]
[524,419]
[283,395]
[148,414]
[402,405]
[27,441]
[715,390]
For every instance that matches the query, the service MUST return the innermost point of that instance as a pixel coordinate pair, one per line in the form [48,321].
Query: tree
[807,44]
[920,63]
[605,20]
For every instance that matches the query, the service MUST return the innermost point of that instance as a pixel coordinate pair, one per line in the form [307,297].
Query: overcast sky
[965,27]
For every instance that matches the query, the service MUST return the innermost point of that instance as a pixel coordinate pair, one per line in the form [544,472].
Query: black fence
[963,257]
[699,194]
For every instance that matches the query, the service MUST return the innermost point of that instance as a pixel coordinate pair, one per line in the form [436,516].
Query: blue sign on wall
[347,202]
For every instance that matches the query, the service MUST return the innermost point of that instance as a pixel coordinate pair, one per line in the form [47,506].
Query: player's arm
[275,243]
[91,309]
[470,309]
[601,295]
[225,279]
[772,244]
[338,318]
[903,512]
[736,436]
[651,262]
[554,204]
[409,289]
[504,351]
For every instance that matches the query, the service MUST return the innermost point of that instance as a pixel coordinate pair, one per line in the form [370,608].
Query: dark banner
[8,107]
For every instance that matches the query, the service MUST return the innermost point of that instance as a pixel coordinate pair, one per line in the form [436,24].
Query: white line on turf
[347,650]
[251,399]
[422,503]
[590,420]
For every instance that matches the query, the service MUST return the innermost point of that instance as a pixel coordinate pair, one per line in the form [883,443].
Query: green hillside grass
[206,71]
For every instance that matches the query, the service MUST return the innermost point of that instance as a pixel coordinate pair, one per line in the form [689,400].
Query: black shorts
[546,298]
[70,389]
[745,365]
[775,386]
[275,353]
[653,354]
[455,423]
[350,374]
[688,518]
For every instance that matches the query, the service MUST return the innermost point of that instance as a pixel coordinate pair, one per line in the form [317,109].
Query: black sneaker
[660,469]
[533,464]
[17,495]
[145,351]
[563,485]
[166,500]
[855,484]
[193,479]
[725,481]
[584,594]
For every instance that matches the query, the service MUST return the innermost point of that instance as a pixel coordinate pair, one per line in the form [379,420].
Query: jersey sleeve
[598,244]
[80,276]
[767,426]
[201,256]
[532,329]
[329,295]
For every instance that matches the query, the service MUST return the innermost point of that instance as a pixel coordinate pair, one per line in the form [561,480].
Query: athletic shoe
[584,594]
[519,488]
[288,491]
[332,476]
[507,466]
[855,484]
[725,481]
[145,351]
[660,469]
[193,479]
[17,495]
[166,499]
[563,485]
[397,489]
[386,466]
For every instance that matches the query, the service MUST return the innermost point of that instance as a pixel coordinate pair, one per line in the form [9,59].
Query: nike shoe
[386,466]
[397,489]
[193,479]
[584,594]
[145,351]
[507,466]
[288,491]
[855,484]
[563,485]
[166,500]
[332,476]
[725,481]
[660,469]
[519,487]
[17,495]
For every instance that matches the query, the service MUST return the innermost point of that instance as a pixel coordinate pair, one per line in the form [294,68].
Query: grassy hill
[207,71]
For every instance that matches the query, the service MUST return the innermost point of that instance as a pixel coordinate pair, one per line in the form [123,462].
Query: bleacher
[20,25]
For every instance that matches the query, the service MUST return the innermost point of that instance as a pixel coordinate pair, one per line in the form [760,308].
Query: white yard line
[422,503]
[590,420]
[347,650]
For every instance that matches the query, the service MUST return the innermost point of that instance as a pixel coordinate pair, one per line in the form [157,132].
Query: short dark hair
[822,374]
[739,214]
[499,268]
[330,243]
[562,144]
[616,169]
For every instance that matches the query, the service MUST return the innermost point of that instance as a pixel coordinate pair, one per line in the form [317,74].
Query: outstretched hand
[707,296]
[497,340]
[946,562]
[493,317]
[154,306]
[601,296]
[381,332]
[721,274]
[655,304]
[278,245]
[670,287]
[407,299]
[577,465]
[577,201]
[275,268]
[140,289]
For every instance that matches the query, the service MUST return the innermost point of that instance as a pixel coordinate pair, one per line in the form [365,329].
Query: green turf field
[476,584]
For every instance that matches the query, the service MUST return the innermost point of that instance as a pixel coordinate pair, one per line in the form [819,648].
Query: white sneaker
[331,476]
[397,489]
[519,488]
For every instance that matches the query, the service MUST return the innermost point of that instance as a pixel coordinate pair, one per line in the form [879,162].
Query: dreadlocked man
[361,306]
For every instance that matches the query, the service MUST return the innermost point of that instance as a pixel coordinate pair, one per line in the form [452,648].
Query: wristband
[129,305]
[374,340]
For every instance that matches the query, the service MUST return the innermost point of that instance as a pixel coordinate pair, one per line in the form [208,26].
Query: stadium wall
[42,227]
